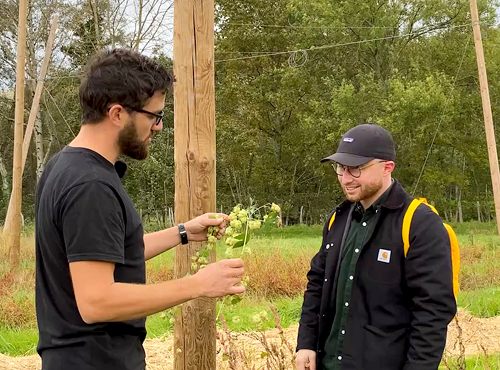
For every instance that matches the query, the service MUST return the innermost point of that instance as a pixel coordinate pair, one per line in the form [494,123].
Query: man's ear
[389,167]
[118,115]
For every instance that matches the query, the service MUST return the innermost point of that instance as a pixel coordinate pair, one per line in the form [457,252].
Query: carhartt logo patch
[348,139]
[384,256]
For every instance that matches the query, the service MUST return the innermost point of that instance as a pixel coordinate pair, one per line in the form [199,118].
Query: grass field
[277,270]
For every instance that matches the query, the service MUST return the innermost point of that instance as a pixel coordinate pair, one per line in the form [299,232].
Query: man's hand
[220,278]
[197,227]
[306,359]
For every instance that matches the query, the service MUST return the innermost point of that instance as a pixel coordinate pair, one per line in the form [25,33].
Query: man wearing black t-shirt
[91,296]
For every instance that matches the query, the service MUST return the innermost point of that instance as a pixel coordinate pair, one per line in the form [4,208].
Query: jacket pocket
[384,350]
[385,265]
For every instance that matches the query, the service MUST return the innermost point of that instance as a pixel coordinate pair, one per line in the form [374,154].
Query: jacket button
[364,223]
[357,250]
[351,277]
[326,280]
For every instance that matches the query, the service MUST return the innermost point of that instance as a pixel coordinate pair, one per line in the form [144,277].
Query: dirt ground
[476,332]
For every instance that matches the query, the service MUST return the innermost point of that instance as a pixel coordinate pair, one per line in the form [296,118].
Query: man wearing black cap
[368,306]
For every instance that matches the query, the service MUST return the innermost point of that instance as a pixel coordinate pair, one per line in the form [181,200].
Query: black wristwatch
[183,232]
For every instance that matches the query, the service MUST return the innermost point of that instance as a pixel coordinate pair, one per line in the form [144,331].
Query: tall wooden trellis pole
[194,136]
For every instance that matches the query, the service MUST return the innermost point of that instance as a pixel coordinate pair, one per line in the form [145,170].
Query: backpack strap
[331,221]
[455,258]
[407,223]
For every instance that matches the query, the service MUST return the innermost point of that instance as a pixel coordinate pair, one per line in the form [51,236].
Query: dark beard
[130,144]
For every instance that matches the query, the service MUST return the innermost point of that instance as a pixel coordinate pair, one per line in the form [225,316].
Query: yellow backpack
[455,251]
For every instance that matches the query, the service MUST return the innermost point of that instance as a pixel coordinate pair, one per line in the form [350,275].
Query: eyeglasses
[354,171]
[158,116]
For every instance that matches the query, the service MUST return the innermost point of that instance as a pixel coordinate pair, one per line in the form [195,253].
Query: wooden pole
[14,237]
[194,136]
[33,113]
[488,117]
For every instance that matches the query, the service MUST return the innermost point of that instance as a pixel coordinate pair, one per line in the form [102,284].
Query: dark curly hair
[121,76]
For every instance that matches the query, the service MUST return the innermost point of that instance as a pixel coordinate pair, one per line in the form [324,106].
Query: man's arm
[429,279]
[161,241]
[100,299]
[93,229]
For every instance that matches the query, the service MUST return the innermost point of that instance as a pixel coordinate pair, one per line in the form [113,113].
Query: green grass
[481,302]
[18,342]
[478,362]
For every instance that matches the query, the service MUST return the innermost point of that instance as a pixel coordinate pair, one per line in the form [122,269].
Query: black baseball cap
[363,143]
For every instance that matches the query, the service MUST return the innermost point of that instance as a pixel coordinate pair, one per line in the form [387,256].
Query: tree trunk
[40,157]
[478,211]
[460,217]
[5,181]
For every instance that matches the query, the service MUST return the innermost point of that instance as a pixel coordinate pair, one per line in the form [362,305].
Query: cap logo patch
[348,139]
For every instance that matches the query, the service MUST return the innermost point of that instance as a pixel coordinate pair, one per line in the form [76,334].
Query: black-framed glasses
[158,116]
[354,171]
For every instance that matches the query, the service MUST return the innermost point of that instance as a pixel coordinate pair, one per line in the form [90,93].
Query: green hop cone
[236,210]
[263,315]
[229,231]
[255,319]
[233,216]
[229,252]
[275,208]
[236,224]
[236,319]
[194,266]
[213,230]
[243,216]
[253,225]
[212,239]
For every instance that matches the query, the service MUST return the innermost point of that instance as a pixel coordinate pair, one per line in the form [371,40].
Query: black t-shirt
[83,213]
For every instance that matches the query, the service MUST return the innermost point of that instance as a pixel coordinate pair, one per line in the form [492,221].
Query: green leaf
[264,355]
[241,240]
[204,253]
[235,299]
[271,218]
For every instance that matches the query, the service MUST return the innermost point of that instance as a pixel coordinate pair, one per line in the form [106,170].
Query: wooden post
[194,136]
[14,236]
[488,118]
[33,113]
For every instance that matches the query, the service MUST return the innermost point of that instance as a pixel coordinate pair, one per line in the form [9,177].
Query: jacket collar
[395,199]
